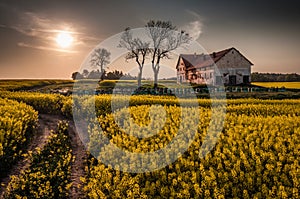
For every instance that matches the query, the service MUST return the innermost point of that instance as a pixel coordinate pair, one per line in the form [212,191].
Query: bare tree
[100,58]
[137,48]
[165,38]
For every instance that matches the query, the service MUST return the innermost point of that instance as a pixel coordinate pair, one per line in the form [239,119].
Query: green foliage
[107,84]
[274,77]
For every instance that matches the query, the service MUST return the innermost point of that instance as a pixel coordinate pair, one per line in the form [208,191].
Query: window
[232,80]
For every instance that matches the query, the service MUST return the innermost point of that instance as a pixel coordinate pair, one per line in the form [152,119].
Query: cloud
[35,25]
[22,44]
[194,27]
[44,31]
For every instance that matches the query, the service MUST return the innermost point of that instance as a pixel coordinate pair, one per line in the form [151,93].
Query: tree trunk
[156,78]
[140,78]
[155,68]
[101,76]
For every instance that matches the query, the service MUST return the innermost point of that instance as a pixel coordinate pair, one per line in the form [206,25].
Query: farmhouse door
[246,79]
[232,80]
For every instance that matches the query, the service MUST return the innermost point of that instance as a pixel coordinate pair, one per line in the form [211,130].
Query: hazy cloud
[22,44]
[194,27]
[44,30]
[38,26]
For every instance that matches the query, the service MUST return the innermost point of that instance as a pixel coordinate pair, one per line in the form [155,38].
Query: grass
[46,86]
[292,85]
[145,84]
[24,84]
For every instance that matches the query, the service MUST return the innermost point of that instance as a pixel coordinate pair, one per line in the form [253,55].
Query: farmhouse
[228,66]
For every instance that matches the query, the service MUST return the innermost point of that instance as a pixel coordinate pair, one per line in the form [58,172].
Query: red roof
[192,61]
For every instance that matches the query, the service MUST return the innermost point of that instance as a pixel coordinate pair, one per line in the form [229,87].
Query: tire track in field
[79,164]
[46,123]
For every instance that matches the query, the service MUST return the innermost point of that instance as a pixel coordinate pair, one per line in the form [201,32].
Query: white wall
[233,63]
[181,71]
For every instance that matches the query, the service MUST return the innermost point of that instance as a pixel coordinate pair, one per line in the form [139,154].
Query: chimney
[195,54]
[214,54]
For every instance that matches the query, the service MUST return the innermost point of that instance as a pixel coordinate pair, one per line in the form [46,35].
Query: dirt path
[78,166]
[45,125]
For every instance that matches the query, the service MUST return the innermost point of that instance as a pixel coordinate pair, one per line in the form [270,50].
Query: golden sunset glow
[64,39]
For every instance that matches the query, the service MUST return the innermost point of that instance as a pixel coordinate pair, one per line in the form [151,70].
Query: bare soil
[40,138]
[78,166]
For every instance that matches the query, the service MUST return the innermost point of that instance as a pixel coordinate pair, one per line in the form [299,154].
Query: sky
[266,32]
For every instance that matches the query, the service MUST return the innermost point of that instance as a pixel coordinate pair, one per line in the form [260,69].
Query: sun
[64,39]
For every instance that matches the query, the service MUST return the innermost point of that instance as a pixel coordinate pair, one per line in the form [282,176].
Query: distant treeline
[115,75]
[96,74]
[275,77]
